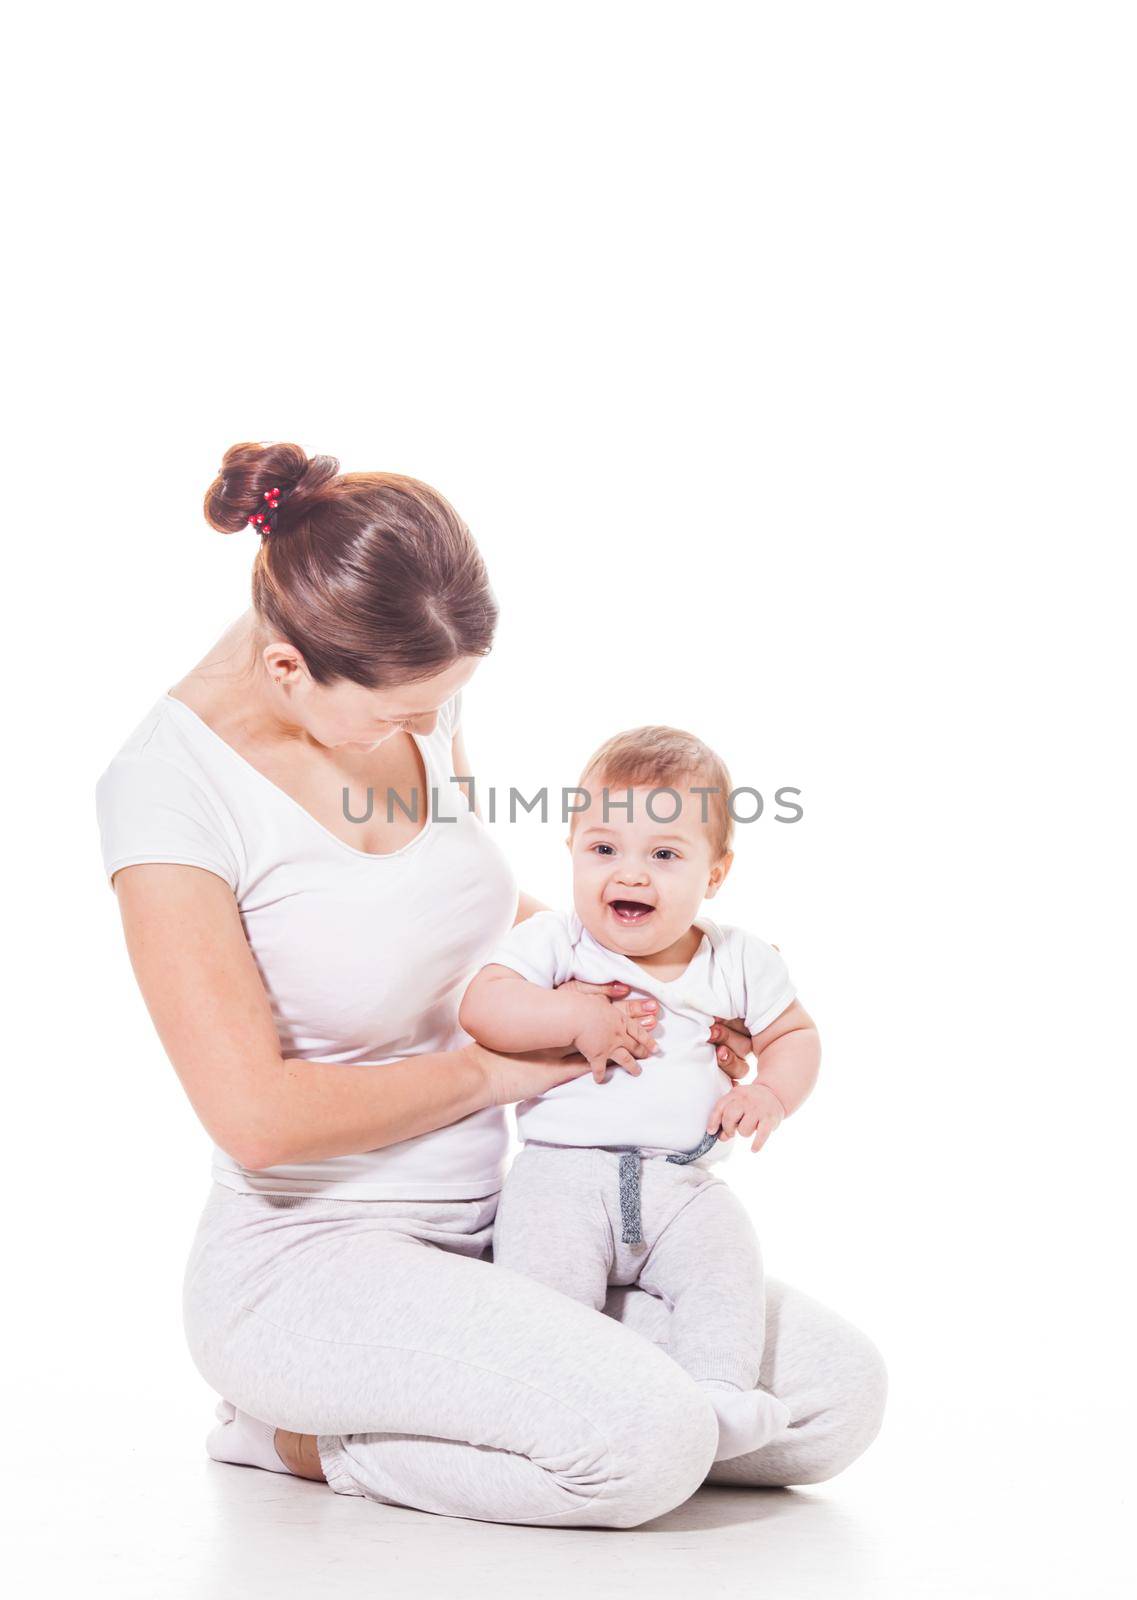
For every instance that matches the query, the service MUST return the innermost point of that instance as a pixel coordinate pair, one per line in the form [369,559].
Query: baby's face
[638,884]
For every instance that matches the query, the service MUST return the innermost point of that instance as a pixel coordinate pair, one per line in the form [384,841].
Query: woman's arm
[527,906]
[207,1001]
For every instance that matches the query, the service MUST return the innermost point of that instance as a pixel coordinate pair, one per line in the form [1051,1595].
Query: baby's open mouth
[630,911]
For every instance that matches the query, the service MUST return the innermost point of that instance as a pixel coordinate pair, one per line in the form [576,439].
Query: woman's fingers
[731,1034]
[644,1010]
[732,1046]
[644,1013]
[731,1064]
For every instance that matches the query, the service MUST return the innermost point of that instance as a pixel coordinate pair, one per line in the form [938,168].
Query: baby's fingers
[731,1117]
[624,1058]
[598,1066]
[639,1042]
[749,1123]
[714,1121]
[765,1129]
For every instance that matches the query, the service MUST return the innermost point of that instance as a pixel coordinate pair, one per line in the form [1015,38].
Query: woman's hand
[643,1012]
[509,1078]
[732,1046]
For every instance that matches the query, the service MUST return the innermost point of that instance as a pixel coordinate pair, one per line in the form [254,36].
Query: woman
[304,972]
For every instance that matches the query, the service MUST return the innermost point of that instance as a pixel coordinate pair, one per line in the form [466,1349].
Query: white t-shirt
[732,974]
[364,957]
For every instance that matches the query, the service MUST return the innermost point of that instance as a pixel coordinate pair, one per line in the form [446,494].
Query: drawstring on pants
[631,1228]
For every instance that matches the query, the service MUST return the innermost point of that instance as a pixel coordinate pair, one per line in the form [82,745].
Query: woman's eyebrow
[408,716]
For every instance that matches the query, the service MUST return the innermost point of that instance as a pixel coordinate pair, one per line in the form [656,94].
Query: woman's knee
[855,1414]
[662,1455]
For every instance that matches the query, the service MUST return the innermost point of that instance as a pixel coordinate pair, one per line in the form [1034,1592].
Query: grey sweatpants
[436,1379]
[559,1220]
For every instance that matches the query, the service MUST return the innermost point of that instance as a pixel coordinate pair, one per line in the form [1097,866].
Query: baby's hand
[605,1033]
[747,1109]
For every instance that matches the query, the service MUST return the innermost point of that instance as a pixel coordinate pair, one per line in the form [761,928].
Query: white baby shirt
[732,974]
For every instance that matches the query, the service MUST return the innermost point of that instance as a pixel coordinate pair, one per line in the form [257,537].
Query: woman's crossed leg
[439,1381]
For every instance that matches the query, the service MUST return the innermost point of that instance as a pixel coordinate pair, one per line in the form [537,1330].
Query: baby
[612,1185]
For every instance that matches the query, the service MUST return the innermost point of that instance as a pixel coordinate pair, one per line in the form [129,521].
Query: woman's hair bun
[249,470]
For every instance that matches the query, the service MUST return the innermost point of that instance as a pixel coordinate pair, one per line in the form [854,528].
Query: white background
[781,359]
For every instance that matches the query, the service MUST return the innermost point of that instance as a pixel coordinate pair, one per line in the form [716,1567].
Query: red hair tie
[259,520]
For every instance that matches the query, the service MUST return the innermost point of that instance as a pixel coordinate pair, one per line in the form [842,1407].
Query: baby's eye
[665,854]
[604,849]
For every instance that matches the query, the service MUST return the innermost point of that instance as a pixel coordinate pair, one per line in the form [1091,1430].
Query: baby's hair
[657,757]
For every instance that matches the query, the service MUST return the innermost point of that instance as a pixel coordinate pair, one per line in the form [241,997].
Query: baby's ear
[719,873]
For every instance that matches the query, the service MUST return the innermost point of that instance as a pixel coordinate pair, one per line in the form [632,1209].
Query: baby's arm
[504,1011]
[789,1058]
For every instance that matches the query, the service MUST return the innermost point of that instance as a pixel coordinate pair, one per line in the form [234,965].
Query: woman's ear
[284,664]
[719,873]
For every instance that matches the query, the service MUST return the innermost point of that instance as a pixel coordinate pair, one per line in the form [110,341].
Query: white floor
[938,1508]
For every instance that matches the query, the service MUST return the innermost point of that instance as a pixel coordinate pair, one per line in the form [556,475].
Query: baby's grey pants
[559,1221]
[436,1379]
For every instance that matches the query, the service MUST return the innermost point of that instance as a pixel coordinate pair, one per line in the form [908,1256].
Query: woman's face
[346,716]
